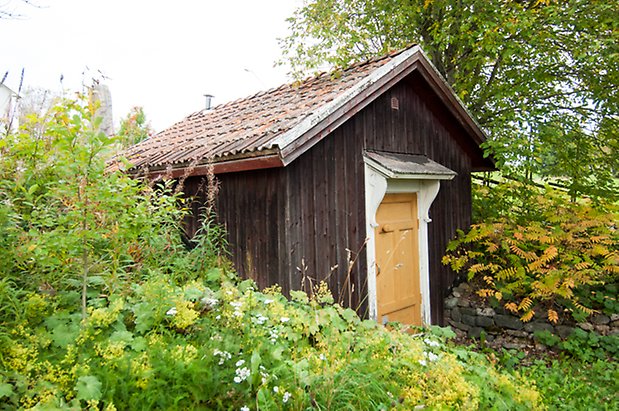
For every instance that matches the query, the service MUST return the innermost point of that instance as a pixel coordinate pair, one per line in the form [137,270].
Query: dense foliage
[537,75]
[134,128]
[101,307]
[542,254]
[567,383]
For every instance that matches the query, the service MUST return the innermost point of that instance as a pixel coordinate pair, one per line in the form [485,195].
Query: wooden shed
[358,177]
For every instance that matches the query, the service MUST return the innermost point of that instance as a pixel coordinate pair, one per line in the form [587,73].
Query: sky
[161,55]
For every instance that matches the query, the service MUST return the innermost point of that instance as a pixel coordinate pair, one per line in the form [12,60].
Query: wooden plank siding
[311,211]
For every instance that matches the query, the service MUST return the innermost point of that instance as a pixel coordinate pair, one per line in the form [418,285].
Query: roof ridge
[293,84]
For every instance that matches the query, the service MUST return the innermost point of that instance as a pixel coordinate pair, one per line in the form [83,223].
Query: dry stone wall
[468,315]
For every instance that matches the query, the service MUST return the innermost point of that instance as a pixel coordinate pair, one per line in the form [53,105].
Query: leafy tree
[536,74]
[134,128]
[65,224]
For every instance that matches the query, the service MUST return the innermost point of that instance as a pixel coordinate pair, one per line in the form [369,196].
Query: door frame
[378,183]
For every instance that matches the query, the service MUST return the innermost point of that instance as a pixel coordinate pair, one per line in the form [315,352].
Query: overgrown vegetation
[544,255]
[101,306]
[565,383]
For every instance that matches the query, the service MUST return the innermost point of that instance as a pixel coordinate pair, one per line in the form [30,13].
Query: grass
[567,383]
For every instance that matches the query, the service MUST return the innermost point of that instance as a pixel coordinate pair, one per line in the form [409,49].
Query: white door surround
[382,177]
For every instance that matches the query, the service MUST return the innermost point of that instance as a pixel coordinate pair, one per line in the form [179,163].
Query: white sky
[162,55]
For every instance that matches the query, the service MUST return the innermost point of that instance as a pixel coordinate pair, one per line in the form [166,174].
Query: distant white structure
[8,106]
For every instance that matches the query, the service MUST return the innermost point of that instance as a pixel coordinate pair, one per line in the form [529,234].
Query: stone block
[484,322]
[513,345]
[518,333]
[486,312]
[563,331]
[456,314]
[585,326]
[600,319]
[508,321]
[614,317]
[602,329]
[463,287]
[469,319]
[538,326]
[459,325]
[451,302]
[475,332]
[464,303]
[456,293]
[468,311]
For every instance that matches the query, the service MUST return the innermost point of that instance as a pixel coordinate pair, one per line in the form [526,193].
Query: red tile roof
[248,125]
[272,128]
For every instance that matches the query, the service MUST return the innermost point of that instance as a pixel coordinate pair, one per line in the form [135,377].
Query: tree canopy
[540,76]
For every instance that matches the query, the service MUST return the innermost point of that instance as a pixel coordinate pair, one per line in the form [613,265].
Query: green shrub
[560,256]
[583,345]
[201,346]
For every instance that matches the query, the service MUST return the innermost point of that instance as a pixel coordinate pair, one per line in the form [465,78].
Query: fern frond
[553,317]
[526,317]
[489,280]
[586,310]
[485,292]
[582,265]
[511,307]
[525,304]
[613,269]
[506,273]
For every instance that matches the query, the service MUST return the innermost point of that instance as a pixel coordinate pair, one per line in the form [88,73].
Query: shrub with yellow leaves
[564,259]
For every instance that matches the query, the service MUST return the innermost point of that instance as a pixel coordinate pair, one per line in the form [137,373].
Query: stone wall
[466,313]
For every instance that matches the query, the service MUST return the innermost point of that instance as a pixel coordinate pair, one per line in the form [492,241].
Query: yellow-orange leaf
[485,292]
[553,317]
[525,304]
[527,316]
[511,307]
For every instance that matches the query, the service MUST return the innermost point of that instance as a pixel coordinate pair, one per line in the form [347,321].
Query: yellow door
[397,260]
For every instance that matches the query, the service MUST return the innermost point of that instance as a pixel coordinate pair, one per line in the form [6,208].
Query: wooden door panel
[397,258]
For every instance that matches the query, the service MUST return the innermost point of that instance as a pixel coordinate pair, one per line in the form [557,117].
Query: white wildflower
[273,335]
[260,319]
[209,302]
[423,362]
[268,301]
[244,408]
[241,374]
[223,355]
[287,396]
[431,356]
[218,317]
[171,311]
[276,389]
[284,319]
[322,357]
[236,304]
[431,343]
[240,362]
